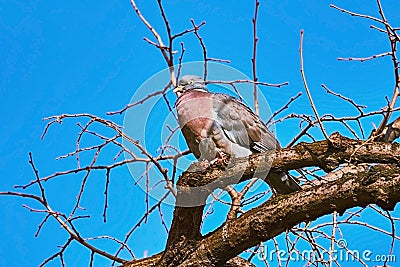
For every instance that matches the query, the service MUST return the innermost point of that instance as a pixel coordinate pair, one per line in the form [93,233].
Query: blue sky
[80,56]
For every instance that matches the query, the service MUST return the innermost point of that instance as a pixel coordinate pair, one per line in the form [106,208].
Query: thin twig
[253,60]
[286,106]
[307,89]
[362,59]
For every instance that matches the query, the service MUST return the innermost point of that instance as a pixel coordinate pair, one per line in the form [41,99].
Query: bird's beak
[178,89]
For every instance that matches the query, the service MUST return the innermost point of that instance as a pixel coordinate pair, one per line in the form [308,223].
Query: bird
[217,125]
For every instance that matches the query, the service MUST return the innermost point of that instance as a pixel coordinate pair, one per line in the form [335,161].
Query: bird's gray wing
[241,125]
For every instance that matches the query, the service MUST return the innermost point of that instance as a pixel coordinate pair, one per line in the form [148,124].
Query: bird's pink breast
[195,111]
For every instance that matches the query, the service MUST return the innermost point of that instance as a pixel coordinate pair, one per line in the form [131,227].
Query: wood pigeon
[215,125]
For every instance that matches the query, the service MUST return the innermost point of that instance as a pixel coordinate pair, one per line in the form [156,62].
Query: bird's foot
[222,159]
[205,165]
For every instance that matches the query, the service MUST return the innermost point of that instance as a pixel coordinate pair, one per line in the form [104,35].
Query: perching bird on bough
[216,125]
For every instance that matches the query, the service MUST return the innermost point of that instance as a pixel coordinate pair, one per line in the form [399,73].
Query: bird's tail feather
[283,183]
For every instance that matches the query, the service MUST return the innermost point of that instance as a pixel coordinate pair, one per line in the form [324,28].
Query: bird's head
[190,82]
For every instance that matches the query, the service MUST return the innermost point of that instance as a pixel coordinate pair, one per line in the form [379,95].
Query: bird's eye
[191,82]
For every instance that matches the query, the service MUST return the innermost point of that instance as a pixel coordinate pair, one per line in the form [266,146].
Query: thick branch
[379,185]
[321,154]
[153,261]
[185,239]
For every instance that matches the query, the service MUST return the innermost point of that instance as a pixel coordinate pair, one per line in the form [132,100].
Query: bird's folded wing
[241,125]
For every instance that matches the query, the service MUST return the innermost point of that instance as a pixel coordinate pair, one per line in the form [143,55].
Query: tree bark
[380,185]
[371,185]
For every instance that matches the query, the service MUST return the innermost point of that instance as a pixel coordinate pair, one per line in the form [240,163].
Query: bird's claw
[204,165]
[222,159]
